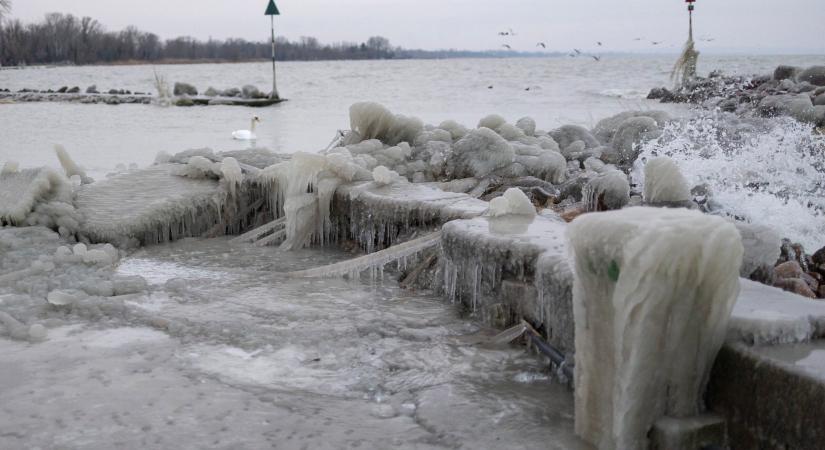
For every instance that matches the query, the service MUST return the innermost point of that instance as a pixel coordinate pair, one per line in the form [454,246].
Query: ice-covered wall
[653,293]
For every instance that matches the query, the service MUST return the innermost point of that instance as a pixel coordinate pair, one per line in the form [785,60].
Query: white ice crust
[652,296]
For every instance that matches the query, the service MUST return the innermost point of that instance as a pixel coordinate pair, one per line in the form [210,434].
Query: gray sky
[736,25]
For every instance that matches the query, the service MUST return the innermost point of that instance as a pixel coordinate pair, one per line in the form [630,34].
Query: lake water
[561,91]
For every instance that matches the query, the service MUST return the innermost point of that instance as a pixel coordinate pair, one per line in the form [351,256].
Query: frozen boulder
[785,72]
[384,176]
[184,89]
[250,91]
[653,292]
[513,202]
[479,153]
[798,106]
[665,184]
[607,191]
[493,122]
[566,135]
[527,126]
[369,120]
[814,75]
[456,130]
[630,134]
[762,247]
[606,128]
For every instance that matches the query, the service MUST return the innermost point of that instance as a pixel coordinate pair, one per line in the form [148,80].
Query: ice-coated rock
[384,176]
[369,120]
[607,191]
[568,134]
[785,72]
[630,134]
[762,246]
[814,75]
[479,153]
[664,182]
[184,89]
[527,125]
[514,202]
[652,297]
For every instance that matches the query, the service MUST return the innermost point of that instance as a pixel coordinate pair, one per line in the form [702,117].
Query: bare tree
[5,7]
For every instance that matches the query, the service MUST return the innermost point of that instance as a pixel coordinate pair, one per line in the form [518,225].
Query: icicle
[372,260]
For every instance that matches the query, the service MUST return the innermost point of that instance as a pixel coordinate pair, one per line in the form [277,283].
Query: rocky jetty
[183,94]
[789,91]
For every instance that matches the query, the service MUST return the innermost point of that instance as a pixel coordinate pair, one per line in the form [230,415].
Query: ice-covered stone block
[652,296]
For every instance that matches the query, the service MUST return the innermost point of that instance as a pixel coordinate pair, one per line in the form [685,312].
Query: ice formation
[479,153]
[10,167]
[762,248]
[384,176]
[69,166]
[664,182]
[231,174]
[370,120]
[653,294]
[38,197]
[606,191]
[512,202]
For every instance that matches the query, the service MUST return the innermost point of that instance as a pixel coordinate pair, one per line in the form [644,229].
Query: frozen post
[653,292]
[685,68]
[272,11]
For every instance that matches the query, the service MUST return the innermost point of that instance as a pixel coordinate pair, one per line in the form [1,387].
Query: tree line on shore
[67,39]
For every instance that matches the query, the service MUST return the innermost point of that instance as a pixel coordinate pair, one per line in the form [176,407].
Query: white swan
[247,135]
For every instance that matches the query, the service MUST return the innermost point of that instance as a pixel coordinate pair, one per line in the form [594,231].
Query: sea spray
[766,172]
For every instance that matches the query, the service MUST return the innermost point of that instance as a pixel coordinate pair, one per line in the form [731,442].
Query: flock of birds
[576,52]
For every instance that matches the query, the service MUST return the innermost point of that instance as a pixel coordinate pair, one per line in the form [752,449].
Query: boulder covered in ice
[513,202]
[479,153]
[652,297]
[664,183]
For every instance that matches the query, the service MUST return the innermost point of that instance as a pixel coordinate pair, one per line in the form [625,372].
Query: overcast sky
[735,25]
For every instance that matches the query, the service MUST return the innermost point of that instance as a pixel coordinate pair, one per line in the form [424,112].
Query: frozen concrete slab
[768,396]
[512,267]
[376,215]
[151,205]
[767,315]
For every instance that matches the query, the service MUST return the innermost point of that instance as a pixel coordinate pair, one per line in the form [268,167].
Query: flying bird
[656,42]
[707,39]
[599,43]
[509,32]
[507,47]
[597,58]
[541,44]
[578,52]
[638,39]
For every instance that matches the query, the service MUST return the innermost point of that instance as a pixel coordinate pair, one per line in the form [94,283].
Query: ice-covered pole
[685,68]
[272,11]
[653,292]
